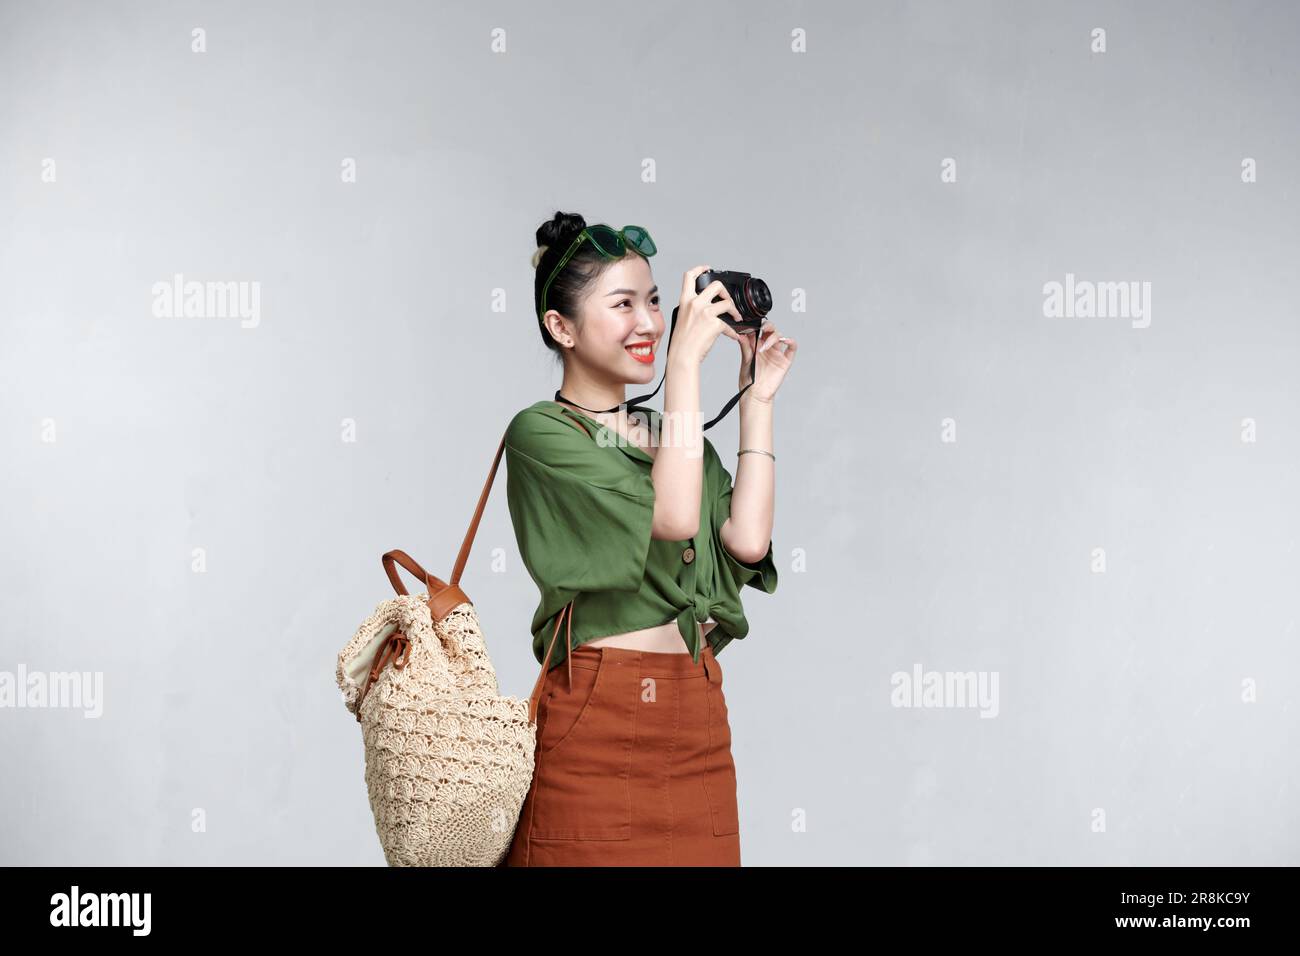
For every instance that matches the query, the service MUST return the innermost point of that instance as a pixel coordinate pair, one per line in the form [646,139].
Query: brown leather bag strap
[410,564]
[535,697]
[463,558]
[443,597]
[395,650]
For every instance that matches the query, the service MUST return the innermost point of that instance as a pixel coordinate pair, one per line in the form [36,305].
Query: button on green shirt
[582,507]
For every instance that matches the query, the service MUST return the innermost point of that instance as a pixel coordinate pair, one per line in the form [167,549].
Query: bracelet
[757,451]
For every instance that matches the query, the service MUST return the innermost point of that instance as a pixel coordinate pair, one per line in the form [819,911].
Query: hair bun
[560,230]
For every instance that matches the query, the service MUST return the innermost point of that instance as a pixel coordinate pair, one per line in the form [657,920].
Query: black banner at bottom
[349,906]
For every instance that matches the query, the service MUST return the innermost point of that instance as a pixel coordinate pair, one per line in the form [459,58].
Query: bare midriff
[662,639]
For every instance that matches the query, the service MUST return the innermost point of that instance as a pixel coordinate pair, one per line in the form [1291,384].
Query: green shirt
[582,507]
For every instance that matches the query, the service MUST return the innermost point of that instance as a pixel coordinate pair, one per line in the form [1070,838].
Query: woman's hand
[698,322]
[773,362]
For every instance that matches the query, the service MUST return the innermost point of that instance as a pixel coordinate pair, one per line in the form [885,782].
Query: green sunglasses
[609,242]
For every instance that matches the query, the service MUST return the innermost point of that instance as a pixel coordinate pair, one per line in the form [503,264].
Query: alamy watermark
[945,689]
[1100,300]
[102,909]
[179,299]
[676,429]
[63,690]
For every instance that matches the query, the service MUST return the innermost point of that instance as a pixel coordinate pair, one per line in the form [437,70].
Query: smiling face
[620,328]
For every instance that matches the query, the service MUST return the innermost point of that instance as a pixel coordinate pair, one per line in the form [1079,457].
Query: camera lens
[758,296]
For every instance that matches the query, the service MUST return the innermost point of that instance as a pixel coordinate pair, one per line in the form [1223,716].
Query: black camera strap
[753,365]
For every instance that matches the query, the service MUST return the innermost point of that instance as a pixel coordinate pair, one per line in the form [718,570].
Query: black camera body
[752,297]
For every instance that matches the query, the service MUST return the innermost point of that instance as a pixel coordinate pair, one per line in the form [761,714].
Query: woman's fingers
[747,345]
[712,291]
[688,282]
[726,304]
[728,331]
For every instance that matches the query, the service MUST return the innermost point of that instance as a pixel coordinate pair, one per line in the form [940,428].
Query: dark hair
[574,280]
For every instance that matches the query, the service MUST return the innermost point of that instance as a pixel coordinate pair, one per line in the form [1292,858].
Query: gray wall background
[1128,691]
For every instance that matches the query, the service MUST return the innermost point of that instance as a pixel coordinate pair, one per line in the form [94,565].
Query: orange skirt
[633,765]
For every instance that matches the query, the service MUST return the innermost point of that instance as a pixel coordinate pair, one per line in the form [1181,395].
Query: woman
[639,544]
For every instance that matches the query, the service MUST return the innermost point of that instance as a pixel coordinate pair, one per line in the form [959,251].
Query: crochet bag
[448,760]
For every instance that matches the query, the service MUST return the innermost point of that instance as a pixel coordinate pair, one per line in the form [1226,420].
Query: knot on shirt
[702,609]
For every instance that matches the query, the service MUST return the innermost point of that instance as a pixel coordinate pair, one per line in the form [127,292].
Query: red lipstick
[648,358]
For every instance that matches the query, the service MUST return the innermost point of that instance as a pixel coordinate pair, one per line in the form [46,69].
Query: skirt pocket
[562,706]
[581,785]
[720,768]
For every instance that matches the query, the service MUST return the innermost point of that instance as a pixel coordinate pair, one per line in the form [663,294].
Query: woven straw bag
[448,759]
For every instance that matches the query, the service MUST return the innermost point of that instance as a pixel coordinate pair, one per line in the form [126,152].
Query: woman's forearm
[748,532]
[678,471]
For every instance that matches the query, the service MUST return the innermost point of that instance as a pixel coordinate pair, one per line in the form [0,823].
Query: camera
[752,297]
